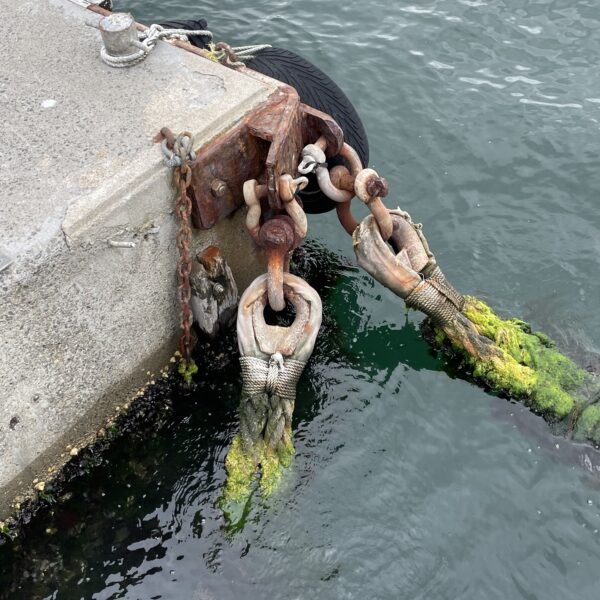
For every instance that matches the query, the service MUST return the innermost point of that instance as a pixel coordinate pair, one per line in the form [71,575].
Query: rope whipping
[435,295]
[437,298]
[268,396]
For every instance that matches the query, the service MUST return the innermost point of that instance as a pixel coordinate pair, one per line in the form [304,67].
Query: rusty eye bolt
[277,238]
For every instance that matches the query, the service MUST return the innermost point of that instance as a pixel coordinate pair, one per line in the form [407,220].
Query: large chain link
[342,184]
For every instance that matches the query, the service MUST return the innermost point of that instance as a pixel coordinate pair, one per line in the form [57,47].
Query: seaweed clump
[513,359]
[261,466]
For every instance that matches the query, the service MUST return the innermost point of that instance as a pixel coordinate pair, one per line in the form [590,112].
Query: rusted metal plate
[231,158]
[264,145]
[286,143]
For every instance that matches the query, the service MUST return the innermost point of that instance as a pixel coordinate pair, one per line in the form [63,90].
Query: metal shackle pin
[370,188]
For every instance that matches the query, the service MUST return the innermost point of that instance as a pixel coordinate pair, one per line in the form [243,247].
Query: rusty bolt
[277,234]
[377,187]
[218,188]
[368,185]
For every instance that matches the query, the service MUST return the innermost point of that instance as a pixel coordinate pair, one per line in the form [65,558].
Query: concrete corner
[83,321]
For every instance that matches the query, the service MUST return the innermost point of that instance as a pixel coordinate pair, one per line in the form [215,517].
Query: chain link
[179,159]
[183,210]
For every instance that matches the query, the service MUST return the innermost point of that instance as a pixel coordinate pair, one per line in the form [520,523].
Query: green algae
[521,362]
[261,465]
[588,425]
[187,369]
[6,531]
[241,471]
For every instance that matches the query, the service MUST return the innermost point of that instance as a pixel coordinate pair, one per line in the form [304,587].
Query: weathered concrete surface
[81,322]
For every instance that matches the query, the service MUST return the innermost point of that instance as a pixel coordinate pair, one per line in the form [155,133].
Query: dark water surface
[409,482]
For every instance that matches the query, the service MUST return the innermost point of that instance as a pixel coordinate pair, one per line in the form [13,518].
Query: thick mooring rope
[268,396]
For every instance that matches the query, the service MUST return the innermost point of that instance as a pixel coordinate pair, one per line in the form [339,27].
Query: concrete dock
[83,322]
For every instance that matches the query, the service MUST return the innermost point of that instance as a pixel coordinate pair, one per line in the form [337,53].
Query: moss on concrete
[523,363]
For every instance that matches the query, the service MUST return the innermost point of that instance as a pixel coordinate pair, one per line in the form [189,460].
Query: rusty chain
[341,184]
[280,233]
[183,209]
[179,152]
[411,271]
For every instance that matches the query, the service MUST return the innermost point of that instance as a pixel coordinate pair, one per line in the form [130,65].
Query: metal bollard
[119,34]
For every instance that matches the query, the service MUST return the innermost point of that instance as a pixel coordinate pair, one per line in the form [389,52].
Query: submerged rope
[268,396]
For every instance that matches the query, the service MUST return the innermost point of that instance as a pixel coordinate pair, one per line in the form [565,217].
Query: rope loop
[146,42]
[234,56]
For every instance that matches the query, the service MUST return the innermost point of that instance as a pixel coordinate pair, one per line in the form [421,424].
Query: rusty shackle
[399,271]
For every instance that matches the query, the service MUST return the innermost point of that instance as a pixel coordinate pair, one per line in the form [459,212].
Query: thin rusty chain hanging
[180,152]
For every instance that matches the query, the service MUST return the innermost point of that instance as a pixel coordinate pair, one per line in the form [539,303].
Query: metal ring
[256,338]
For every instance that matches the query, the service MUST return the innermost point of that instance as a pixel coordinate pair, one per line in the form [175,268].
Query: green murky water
[409,482]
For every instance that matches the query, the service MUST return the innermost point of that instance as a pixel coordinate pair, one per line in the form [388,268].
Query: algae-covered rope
[272,360]
[503,353]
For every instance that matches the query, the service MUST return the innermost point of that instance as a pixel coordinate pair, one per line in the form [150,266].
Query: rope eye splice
[272,360]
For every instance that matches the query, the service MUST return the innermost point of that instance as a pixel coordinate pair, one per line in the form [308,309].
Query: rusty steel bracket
[264,145]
